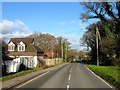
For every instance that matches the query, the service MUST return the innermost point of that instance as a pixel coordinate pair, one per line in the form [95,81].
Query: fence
[51,62]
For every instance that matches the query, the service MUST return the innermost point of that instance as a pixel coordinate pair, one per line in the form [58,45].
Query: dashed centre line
[69,77]
[68,85]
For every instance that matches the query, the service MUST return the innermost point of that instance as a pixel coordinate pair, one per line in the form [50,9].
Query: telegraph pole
[97,37]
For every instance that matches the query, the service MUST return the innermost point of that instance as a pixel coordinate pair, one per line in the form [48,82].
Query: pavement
[6,85]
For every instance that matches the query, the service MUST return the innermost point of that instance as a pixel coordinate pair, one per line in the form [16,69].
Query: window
[21,46]
[11,46]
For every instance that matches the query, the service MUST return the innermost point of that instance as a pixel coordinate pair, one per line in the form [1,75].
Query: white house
[24,52]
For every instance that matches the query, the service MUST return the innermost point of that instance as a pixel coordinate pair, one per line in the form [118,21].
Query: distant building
[49,54]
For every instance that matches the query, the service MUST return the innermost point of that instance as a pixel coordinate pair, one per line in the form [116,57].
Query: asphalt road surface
[72,75]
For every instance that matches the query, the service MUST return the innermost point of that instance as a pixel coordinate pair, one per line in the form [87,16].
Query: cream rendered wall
[35,61]
[13,65]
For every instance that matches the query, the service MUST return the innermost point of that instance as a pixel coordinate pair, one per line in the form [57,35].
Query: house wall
[28,61]
[35,61]
[13,65]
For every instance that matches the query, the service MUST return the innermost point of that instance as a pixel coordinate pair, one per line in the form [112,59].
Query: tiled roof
[27,41]
[38,49]
[23,53]
[32,48]
[29,47]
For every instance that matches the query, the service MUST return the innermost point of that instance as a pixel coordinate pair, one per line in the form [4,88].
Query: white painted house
[24,52]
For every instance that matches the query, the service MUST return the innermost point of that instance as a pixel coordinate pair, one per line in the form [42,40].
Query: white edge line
[99,77]
[32,79]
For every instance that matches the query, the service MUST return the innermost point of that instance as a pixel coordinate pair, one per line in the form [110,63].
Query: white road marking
[70,69]
[99,77]
[68,86]
[32,79]
[69,77]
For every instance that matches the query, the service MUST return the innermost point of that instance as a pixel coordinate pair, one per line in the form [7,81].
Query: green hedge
[110,73]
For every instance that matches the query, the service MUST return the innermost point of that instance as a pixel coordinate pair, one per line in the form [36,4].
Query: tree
[106,45]
[44,41]
[72,54]
[60,44]
[84,56]
[48,42]
[103,11]
[5,57]
[109,15]
[65,48]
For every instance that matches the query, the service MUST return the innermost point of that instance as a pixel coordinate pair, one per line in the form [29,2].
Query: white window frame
[11,46]
[21,46]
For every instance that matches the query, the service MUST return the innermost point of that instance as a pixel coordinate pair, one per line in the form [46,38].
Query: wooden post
[97,35]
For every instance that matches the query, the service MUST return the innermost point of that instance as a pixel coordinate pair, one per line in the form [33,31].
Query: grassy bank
[110,73]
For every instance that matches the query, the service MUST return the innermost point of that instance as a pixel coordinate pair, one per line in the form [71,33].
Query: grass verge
[110,73]
[13,75]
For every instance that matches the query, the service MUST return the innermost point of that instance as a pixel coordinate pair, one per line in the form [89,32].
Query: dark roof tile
[29,46]
[27,41]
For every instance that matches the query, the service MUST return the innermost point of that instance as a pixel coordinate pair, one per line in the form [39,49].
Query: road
[72,75]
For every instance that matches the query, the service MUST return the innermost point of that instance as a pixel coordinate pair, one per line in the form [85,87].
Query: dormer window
[11,46]
[21,46]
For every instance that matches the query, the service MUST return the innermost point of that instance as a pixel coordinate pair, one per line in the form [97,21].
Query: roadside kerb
[6,85]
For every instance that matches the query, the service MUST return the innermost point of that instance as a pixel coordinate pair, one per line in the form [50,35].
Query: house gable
[11,46]
[21,46]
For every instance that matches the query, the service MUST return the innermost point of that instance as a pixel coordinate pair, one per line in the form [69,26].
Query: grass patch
[13,75]
[110,73]
[21,73]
